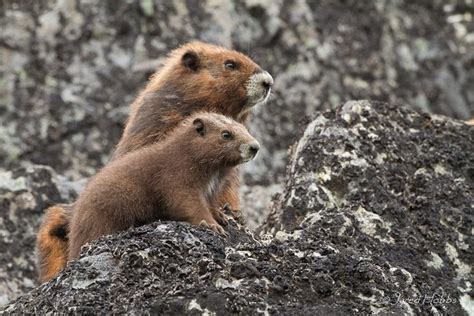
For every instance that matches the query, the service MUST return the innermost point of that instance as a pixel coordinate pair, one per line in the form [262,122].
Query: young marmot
[179,178]
[195,77]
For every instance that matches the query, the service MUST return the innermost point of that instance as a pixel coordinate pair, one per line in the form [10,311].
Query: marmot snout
[259,87]
[249,151]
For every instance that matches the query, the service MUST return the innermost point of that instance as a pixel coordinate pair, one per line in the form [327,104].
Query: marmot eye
[226,135]
[230,65]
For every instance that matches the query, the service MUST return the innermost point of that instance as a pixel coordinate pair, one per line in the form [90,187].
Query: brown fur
[52,245]
[180,91]
[176,179]
[177,90]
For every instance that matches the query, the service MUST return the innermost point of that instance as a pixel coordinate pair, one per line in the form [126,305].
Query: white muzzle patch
[259,86]
[249,151]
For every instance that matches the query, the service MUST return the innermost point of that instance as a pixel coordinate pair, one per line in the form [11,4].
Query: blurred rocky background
[69,69]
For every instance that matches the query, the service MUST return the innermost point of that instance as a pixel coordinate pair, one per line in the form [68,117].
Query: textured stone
[397,184]
[376,218]
[255,202]
[24,194]
[70,68]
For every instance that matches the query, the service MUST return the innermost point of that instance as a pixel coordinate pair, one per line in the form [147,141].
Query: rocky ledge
[376,218]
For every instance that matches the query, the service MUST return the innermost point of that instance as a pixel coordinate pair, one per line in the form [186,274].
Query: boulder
[375,218]
[71,68]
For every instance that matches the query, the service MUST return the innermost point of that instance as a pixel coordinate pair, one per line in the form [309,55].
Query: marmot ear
[191,60]
[199,126]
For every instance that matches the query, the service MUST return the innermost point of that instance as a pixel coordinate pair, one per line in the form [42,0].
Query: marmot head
[217,140]
[216,79]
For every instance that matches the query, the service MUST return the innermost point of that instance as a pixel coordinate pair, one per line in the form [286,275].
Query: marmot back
[179,179]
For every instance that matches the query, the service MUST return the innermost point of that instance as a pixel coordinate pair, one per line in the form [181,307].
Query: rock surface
[24,194]
[70,68]
[256,201]
[375,218]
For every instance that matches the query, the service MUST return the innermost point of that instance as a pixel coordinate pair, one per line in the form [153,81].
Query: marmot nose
[254,148]
[267,81]
[266,85]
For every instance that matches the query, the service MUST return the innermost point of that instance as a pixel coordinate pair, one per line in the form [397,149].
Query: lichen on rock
[71,68]
[375,218]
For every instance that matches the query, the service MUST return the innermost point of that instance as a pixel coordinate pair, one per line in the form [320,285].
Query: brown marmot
[195,77]
[179,178]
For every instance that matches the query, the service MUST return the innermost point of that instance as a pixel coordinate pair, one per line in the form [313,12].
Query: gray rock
[397,184]
[70,68]
[24,194]
[376,218]
[255,203]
